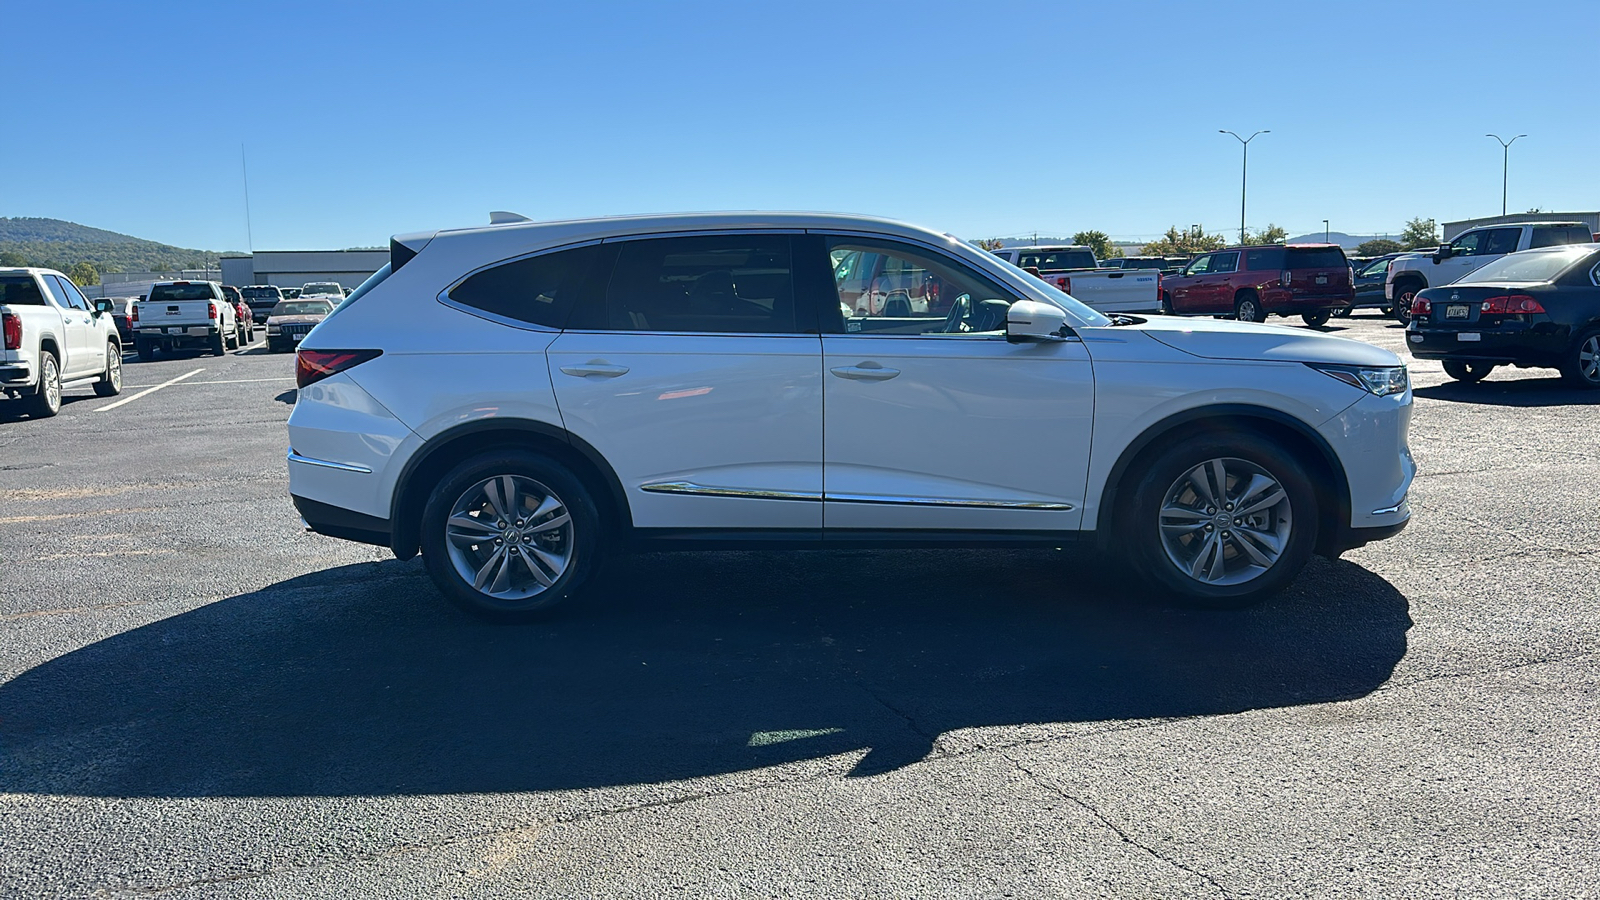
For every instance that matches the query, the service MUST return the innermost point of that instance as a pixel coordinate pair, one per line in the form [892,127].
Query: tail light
[1283,278]
[1421,307]
[1512,304]
[133,312]
[1065,284]
[12,324]
[211,310]
[311,366]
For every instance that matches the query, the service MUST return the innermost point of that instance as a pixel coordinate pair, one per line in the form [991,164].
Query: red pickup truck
[1251,283]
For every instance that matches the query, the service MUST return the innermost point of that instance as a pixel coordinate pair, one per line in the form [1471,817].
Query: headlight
[272,329]
[1383,382]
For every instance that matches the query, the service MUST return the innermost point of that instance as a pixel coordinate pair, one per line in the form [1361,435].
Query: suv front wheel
[1222,522]
[510,534]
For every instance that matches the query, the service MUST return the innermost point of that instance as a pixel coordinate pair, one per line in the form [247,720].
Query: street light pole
[1327,236]
[1505,165]
[1244,174]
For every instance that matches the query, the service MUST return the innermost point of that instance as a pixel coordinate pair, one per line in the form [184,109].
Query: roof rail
[501,217]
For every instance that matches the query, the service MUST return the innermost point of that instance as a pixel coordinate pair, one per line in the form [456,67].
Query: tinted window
[1502,240]
[1315,258]
[20,290]
[1223,263]
[1528,267]
[1563,234]
[303,308]
[1144,262]
[187,291]
[1056,260]
[1263,259]
[915,292]
[261,294]
[538,290]
[713,283]
[75,298]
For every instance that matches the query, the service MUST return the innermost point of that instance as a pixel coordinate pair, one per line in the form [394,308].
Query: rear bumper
[1524,346]
[1285,302]
[160,338]
[349,525]
[16,375]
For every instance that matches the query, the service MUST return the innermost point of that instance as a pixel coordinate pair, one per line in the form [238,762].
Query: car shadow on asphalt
[1512,392]
[361,680]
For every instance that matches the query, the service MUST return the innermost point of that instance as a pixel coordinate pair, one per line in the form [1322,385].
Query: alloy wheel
[509,537]
[1589,359]
[1225,521]
[52,383]
[114,368]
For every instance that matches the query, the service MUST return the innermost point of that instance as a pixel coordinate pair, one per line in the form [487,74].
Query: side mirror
[1029,321]
[1444,252]
[102,305]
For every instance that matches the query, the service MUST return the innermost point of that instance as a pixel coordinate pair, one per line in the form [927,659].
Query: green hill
[56,244]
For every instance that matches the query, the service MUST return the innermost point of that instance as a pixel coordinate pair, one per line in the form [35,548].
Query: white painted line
[233,381]
[150,390]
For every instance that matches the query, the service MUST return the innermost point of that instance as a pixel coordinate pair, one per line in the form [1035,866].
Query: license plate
[297,337]
[174,331]
[1469,336]
[1455,311]
[1322,279]
[199,331]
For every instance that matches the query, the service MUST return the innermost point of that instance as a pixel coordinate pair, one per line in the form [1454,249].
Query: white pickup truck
[185,315]
[1469,251]
[1076,271]
[54,339]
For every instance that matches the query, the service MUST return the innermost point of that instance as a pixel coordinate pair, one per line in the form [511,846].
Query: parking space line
[150,390]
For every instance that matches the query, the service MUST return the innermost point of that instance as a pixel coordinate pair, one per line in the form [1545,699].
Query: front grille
[301,328]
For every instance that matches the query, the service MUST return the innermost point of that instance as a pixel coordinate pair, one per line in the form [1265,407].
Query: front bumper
[1370,439]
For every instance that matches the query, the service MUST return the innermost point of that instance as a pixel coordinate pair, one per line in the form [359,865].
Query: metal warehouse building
[1590,219]
[292,268]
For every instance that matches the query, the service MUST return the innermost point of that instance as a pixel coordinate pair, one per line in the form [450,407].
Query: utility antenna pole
[244,167]
[1505,165]
[1244,171]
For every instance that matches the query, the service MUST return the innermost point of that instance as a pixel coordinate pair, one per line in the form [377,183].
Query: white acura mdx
[520,400]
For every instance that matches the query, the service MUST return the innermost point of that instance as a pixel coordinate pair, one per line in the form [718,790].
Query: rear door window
[1502,241]
[706,284]
[537,290]
[1223,263]
[1264,259]
[1315,258]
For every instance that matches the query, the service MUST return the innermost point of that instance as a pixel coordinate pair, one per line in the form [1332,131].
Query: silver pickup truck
[182,315]
[1076,271]
[54,339]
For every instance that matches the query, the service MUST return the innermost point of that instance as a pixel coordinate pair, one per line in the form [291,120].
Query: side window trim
[444,295]
[56,293]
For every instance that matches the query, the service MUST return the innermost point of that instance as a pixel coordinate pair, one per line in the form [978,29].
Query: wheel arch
[446,449]
[1328,476]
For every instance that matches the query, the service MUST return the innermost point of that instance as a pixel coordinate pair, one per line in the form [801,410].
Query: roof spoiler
[402,247]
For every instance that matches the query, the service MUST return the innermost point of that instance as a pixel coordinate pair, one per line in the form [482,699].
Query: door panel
[694,424]
[955,432]
[75,328]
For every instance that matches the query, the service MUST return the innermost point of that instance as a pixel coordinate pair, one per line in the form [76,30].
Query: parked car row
[1075,270]
[1470,250]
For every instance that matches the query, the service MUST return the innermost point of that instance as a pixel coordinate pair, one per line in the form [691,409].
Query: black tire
[1342,312]
[146,349]
[110,383]
[1315,319]
[1247,308]
[219,344]
[1166,304]
[1468,372]
[45,401]
[582,540]
[1405,293]
[1141,531]
[1581,366]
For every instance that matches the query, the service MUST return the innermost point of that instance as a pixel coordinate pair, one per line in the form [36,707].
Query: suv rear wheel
[1316,319]
[509,535]
[1222,522]
[1247,308]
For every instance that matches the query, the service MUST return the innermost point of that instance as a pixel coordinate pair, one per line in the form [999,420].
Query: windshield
[1055,260]
[1090,316]
[302,308]
[1529,268]
[312,290]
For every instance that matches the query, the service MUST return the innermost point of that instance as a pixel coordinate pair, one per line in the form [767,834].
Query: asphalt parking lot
[197,698]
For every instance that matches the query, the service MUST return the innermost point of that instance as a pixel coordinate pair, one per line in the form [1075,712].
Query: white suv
[520,400]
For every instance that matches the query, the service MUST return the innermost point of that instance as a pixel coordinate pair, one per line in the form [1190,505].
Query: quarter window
[1264,259]
[1564,234]
[705,284]
[538,290]
[899,289]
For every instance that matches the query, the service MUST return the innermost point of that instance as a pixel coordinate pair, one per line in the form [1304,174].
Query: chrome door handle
[595,367]
[868,371]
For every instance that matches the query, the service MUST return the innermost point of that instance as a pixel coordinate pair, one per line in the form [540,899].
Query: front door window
[890,288]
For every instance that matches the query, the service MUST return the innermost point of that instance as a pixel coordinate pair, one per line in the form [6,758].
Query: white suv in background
[518,401]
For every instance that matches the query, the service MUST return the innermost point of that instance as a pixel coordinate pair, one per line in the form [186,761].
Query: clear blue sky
[363,120]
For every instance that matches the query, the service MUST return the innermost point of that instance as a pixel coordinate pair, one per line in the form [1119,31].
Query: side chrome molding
[343,467]
[689,487]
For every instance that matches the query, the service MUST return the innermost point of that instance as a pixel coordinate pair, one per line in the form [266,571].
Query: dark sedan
[1536,308]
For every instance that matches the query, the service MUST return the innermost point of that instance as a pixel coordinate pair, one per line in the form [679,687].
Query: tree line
[1419,234]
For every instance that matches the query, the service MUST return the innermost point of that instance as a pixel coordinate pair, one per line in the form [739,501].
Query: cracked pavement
[199,700]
